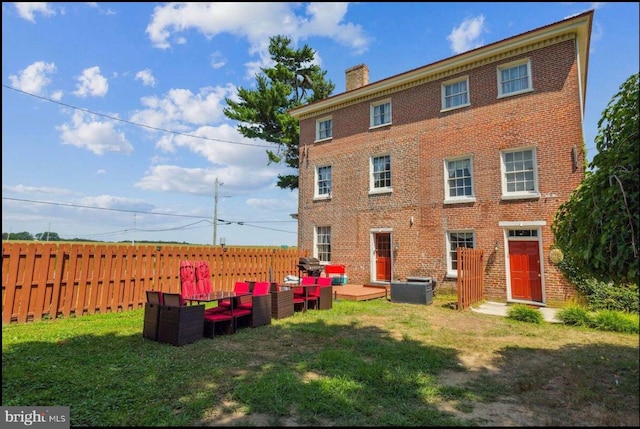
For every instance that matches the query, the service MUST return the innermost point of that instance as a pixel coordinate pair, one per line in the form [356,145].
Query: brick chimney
[357,76]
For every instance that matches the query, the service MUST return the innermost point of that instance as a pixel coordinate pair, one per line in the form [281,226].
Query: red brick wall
[419,139]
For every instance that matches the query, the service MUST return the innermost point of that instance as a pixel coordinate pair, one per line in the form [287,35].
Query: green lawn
[372,363]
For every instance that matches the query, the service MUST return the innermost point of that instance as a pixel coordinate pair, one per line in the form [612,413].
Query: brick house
[477,150]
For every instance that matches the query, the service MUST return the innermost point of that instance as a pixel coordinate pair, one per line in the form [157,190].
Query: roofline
[579,26]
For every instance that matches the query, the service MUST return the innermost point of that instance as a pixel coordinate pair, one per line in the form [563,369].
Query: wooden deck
[360,292]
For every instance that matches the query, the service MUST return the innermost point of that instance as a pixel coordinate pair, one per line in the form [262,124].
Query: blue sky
[112,123]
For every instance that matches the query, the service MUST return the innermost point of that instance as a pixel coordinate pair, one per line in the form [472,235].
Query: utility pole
[215,211]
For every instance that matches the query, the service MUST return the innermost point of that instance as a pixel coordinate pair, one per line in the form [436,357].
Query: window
[457,239]
[455,94]
[324,129]
[323,243]
[514,78]
[523,233]
[323,182]
[519,174]
[380,114]
[458,181]
[381,173]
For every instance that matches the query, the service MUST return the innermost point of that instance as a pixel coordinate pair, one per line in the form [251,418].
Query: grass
[372,363]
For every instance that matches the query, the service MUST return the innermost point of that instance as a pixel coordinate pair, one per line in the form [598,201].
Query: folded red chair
[187,280]
[203,278]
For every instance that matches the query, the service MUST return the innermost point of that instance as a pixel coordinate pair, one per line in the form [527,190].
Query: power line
[202,218]
[141,212]
[133,123]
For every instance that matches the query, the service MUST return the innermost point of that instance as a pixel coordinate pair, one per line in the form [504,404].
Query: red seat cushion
[217,317]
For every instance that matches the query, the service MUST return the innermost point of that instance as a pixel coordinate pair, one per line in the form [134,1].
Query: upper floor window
[324,128]
[457,239]
[323,181]
[459,180]
[380,114]
[455,94]
[381,173]
[323,243]
[514,78]
[519,174]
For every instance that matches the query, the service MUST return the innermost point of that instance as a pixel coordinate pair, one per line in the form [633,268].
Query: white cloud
[91,83]
[28,10]
[201,181]
[215,146]
[45,190]
[146,77]
[466,36]
[277,18]
[111,202]
[97,137]
[34,78]
[217,60]
[181,106]
[56,95]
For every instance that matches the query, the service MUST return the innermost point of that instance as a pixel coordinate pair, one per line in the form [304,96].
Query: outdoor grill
[310,266]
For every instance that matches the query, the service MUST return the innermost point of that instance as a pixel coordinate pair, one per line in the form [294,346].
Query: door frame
[528,225]
[372,252]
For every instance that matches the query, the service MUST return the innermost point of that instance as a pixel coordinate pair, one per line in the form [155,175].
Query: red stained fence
[59,280]
[470,277]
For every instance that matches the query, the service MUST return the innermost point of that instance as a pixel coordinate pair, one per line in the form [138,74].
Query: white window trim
[450,272]
[316,194]
[315,242]
[501,67]
[463,199]
[372,189]
[443,104]
[318,121]
[523,194]
[371,109]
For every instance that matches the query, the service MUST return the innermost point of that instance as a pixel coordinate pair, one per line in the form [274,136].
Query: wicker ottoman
[181,325]
[281,304]
[326,298]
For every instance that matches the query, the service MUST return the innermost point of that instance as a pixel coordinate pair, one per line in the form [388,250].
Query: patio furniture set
[200,311]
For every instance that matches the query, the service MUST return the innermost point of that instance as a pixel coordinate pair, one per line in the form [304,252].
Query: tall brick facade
[413,219]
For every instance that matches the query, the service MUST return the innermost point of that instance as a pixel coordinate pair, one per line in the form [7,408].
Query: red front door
[383,257]
[524,263]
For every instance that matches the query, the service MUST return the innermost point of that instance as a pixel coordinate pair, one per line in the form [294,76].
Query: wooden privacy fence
[53,280]
[470,277]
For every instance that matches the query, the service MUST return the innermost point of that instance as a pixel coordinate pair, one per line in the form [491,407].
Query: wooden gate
[470,276]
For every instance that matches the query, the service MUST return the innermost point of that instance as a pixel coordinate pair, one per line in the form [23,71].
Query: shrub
[574,316]
[615,321]
[601,295]
[525,313]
